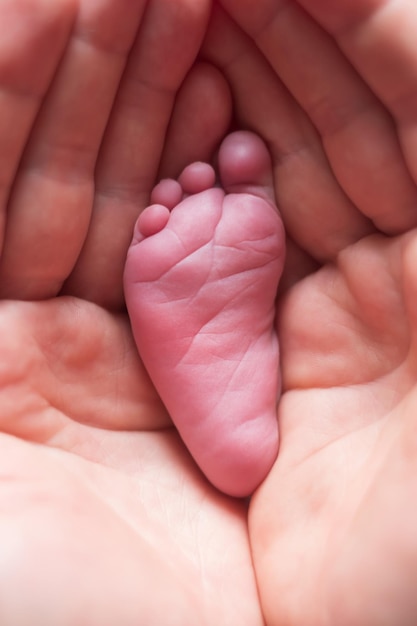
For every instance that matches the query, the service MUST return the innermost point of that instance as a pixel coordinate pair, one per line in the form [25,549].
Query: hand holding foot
[200,282]
[335,521]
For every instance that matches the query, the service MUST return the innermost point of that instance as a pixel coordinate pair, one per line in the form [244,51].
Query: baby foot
[200,281]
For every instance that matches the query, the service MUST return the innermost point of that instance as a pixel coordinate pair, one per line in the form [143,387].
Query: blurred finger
[201,118]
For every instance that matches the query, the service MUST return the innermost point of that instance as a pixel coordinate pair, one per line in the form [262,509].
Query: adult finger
[34,35]
[49,210]
[318,215]
[379,38]
[357,131]
[165,49]
[201,117]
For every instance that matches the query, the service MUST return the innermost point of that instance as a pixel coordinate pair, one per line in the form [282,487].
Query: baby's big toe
[245,165]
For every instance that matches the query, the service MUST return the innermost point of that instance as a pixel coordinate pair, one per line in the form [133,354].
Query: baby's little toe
[151,221]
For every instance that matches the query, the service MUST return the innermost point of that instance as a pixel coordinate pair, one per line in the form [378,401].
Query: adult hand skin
[333,528]
[105,520]
[86,108]
[105,515]
[341,169]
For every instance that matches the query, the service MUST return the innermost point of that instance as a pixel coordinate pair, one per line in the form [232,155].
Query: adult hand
[341,169]
[333,529]
[88,93]
[105,519]
[73,461]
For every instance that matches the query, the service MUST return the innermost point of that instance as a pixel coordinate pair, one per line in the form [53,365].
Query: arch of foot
[215,353]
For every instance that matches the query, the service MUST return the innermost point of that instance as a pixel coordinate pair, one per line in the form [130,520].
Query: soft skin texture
[98,496]
[110,523]
[340,130]
[335,522]
[104,519]
[86,109]
[201,283]
[333,528]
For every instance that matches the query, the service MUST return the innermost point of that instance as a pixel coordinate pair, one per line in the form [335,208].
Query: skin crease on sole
[201,279]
